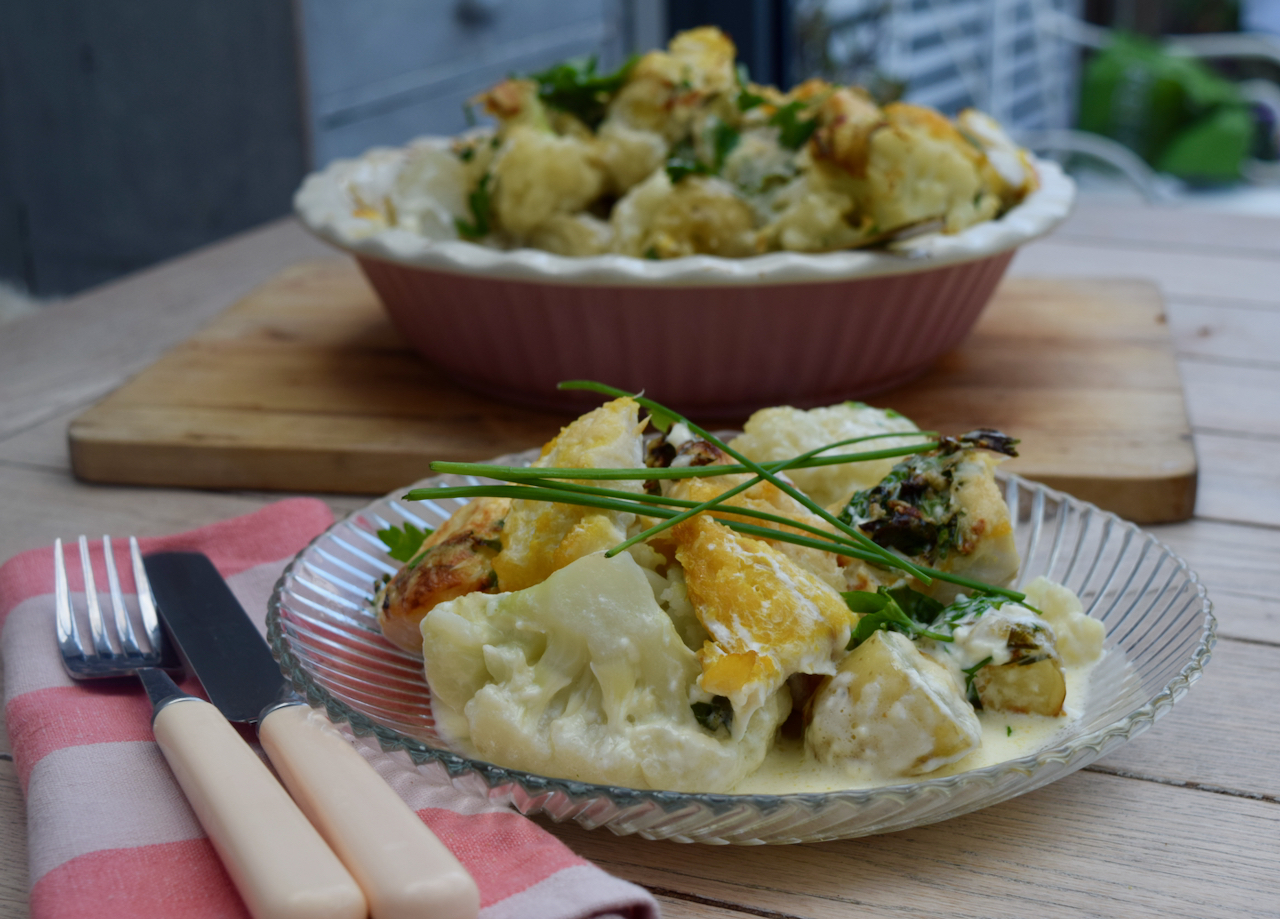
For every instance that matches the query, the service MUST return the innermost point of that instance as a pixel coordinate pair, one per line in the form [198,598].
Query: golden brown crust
[455,560]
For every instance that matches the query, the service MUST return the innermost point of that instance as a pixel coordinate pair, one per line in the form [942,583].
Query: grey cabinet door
[131,132]
[381,72]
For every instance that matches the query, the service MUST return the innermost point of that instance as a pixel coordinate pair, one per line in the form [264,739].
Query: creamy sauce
[789,769]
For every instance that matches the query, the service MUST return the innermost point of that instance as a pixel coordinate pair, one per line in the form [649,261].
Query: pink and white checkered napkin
[110,833]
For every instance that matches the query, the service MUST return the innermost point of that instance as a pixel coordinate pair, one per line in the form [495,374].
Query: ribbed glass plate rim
[1076,752]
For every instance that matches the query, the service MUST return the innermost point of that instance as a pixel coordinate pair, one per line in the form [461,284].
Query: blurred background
[133,132]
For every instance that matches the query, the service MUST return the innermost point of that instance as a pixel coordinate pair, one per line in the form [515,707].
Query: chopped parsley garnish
[574,87]
[684,159]
[715,714]
[747,100]
[478,202]
[793,131]
[403,543]
[899,610]
[969,674]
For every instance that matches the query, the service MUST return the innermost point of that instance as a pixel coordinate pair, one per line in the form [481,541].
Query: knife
[403,869]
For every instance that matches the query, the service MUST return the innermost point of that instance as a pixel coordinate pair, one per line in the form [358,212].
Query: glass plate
[1160,630]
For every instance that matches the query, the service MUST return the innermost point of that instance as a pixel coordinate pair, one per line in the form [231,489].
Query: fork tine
[100,643]
[68,632]
[146,600]
[124,628]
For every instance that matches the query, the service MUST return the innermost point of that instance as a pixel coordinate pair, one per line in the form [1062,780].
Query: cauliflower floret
[572,234]
[780,433]
[847,119]
[515,102]
[768,618]
[758,161]
[666,90]
[815,216]
[430,192]
[584,677]
[540,537]
[1079,635]
[921,168]
[893,710]
[538,174]
[697,215]
[628,155]
[1009,172]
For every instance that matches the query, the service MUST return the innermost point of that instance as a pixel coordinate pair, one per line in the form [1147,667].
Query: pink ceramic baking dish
[710,336]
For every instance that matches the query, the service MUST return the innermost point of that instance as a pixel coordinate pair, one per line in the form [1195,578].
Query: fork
[277,860]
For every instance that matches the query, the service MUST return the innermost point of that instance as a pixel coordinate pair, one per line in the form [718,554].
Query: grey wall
[134,130]
[382,72]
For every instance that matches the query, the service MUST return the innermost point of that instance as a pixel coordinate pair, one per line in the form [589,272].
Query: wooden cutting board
[304,386]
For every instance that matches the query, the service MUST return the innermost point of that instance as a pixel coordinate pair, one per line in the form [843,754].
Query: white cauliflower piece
[920,168]
[539,537]
[628,155]
[584,677]
[813,215]
[1079,635]
[783,432]
[538,174]
[700,214]
[893,710]
[572,234]
[430,192]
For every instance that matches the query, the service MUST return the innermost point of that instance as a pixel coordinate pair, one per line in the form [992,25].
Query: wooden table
[1184,821]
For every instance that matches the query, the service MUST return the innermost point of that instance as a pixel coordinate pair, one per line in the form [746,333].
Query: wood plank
[13,846]
[303,385]
[1186,746]
[1228,398]
[1238,567]
[1171,228]
[1229,333]
[1239,479]
[1181,275]
[1089,845]
[82,348]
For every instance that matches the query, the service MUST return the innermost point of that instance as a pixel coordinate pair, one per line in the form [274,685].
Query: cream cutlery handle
[277,860]
[404,870]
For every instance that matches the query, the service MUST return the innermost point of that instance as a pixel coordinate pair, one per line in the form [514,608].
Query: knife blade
[403,869]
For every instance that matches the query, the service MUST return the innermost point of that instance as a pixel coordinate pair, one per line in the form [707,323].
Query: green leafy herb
[403,543]
[478,202]
[684,161]
[652,254]
[793,131]
[1008,730]
[747,100]
[724,138]
[969,674]
[884,611]
[715,714]
[467,154]
[573,86]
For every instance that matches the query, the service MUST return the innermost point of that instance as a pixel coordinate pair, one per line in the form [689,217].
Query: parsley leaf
[684,161]
[478,201]
[573,86]
[747,100]
[403,544]
[714,714]
[793,131]
[887,610]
